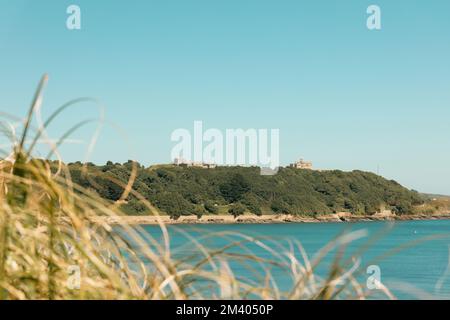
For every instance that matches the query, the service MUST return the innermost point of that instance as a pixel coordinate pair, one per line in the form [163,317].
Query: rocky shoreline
[266,219]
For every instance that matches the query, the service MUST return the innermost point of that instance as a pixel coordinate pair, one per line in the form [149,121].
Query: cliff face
[235,190]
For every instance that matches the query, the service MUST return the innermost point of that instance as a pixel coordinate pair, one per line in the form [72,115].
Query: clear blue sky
[341,95]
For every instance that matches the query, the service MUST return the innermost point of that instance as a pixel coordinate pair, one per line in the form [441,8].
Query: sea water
[412,257]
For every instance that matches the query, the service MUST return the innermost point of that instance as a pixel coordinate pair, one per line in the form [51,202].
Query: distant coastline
[265,219]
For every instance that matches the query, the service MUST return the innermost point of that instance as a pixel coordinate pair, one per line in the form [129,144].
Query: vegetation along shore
[242,195]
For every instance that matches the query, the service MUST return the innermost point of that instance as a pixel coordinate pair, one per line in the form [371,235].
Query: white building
[187,163]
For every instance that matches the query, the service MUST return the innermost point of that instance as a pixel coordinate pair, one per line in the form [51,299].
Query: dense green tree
[173,204]
[252,203]
[134,207]
[211,207]
[234,189]
[179,191]
[236,209]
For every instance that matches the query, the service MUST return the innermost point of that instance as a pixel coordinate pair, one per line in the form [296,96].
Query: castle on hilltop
[302,164]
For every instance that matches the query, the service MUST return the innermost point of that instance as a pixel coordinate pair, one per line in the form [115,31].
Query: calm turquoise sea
[412,256]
